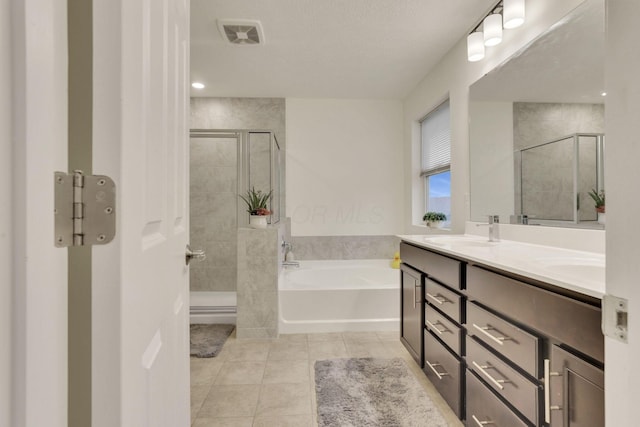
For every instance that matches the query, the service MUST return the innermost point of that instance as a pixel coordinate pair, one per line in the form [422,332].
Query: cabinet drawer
[572,322]
[485,409]
[442,268]
[515,344]
[523,394]
[444,299]
[449,332]
[444,370]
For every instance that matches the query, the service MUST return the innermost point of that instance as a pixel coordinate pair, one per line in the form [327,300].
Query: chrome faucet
[494,232]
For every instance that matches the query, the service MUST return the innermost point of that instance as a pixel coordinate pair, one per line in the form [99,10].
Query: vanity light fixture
[513,13]
[197,85]
[492,29]
[505,14]
[604,94]
[475,46]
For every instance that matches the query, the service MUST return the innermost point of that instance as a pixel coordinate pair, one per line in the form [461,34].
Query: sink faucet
[494,232]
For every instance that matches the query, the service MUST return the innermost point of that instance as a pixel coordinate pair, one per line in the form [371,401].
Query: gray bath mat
[207,340]
[372,392]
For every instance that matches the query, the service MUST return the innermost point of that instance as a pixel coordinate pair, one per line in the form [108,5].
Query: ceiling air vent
[241,31]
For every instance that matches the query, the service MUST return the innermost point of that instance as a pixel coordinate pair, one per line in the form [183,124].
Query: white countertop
[578,271]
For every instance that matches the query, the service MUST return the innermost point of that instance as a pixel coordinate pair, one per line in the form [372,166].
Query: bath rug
[207,340]
[372,392]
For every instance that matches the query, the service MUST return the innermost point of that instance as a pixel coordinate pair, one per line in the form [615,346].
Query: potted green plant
[257,202]
[434,219]
[598,198]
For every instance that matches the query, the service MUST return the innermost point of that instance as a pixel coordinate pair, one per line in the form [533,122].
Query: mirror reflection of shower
[556,177]
[224,164]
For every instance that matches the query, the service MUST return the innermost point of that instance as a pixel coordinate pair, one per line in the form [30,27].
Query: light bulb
[513,13]
[475,46]
[197,85]
[492,28]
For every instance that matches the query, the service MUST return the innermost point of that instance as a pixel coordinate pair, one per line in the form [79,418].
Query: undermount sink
[460,242]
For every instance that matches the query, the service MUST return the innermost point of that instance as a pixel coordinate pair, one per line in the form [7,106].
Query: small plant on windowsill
[598,198]
[434,219]
[256,202]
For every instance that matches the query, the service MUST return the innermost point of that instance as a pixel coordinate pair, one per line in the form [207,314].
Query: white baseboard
[212,307]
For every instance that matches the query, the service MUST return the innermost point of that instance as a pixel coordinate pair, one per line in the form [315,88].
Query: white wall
[344,167]
[622,175]
[452,77]
[491,147]
[5,213]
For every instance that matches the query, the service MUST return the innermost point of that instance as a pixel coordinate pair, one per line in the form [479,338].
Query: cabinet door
[412,312]
[575,393]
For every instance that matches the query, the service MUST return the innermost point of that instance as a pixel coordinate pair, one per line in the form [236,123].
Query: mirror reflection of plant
[257,201]
[598,198]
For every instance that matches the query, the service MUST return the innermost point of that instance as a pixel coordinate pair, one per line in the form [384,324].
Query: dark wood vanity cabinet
[411,311]
[503,349]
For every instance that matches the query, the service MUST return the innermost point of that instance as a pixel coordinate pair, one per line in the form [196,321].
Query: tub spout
[290,264]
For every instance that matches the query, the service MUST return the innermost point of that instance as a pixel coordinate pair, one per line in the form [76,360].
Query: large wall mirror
[537,140]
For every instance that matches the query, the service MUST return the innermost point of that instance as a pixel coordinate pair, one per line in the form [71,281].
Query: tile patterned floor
[259,383]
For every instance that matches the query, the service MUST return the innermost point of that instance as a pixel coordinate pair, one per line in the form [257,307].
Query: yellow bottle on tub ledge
[395,263]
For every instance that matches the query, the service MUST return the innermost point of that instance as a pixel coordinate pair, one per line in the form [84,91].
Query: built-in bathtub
[338,296]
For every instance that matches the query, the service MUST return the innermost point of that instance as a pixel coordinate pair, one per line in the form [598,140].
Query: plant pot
[435,224]
[601,217]
[258,221]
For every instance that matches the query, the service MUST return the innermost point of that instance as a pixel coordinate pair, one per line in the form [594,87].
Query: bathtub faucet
[290,264]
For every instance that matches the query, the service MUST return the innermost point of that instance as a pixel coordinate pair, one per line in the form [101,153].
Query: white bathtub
[338,296]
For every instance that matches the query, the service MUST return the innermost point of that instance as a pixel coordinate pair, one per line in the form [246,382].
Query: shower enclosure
[223,165]
[556,176]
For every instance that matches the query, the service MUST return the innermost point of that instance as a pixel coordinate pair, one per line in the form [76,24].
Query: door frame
[38,145]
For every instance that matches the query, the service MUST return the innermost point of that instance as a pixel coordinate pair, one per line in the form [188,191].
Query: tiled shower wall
[537,123]
[214,185]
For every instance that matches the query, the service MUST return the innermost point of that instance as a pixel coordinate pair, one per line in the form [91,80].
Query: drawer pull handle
[483,368]
[481,423]
[497,340]
[435,371]
[547,391]
[439,299]
[434,327]
[416,286]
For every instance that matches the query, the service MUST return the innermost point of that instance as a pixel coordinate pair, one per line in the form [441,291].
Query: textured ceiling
[327,48]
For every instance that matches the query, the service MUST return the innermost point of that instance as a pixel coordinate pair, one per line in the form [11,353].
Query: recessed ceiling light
[604,94]
[197,85]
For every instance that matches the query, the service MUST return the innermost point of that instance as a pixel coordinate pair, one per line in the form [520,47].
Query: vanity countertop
[578,271]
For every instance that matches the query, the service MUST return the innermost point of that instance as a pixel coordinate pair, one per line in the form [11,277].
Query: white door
[33,272]
[140,280]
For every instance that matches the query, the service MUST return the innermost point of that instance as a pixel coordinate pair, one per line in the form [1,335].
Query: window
[436,160]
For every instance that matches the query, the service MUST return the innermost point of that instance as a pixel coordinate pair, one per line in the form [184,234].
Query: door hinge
[85,209]
[615,314]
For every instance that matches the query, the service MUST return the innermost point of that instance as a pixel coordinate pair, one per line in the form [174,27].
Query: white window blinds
[436,140]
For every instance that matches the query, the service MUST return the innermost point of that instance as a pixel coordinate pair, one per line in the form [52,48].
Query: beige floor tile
[241,373]
[224,422]
[328,336]
[286,372]
[369,349]
[360,337]
[327,350]
[388,336]
[230,401]
[284,421]
[284,399]
[204,370]
[244,352]
[293,337]
[198,395]
[288,351]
